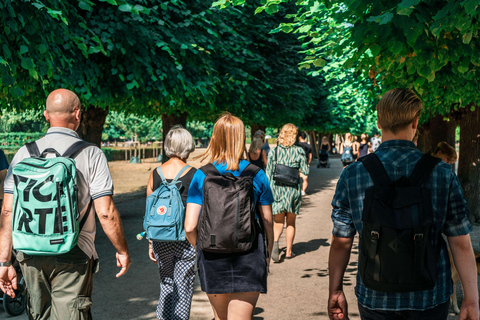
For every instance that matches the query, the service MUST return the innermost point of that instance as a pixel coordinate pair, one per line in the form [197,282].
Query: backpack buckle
[374,235]
[418,237]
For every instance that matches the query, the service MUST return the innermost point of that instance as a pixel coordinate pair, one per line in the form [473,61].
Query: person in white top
[60,287]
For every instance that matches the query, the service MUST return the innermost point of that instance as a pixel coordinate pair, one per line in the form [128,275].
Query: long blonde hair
[228,142]
[288,135]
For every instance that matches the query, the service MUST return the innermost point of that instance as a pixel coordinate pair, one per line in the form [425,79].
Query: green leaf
[125,8]
[467,37]
[397,47]
[16,92]
[319,62]
[382,19]
[259,9]
[110,1]
[6,52]
[23,49]
[33,73]
[431,77]
[404,11]
[84,6]
[419,82]
[38,5]
[408,3]
[375,49]
[7,79]
[462,69]
[271,9]
[471,6]
[27,63]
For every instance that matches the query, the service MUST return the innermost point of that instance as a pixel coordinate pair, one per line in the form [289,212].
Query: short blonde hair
[179,143]
[256,144]
[228,142]
[288,135]
[397,109]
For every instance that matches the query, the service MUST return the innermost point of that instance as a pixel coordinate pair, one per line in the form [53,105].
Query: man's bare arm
[112,226]
[337,264]
[8,276]
[464,259]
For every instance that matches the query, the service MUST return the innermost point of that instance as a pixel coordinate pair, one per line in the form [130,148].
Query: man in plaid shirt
[398,114]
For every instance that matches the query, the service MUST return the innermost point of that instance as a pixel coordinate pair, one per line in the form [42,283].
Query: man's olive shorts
[58,287]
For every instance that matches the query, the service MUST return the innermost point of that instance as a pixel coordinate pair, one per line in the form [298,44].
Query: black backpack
[227,221]
[398,247]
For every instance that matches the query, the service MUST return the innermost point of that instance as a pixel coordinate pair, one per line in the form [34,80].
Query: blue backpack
[165,212]
[347,155]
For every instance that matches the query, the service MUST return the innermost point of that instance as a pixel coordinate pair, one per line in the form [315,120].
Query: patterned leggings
[176,263]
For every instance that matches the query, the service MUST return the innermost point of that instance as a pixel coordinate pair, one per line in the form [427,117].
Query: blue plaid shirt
[399,157]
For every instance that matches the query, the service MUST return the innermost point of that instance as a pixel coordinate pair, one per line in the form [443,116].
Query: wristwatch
[6,264]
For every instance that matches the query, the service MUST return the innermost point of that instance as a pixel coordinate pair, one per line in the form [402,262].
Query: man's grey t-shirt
[93,178]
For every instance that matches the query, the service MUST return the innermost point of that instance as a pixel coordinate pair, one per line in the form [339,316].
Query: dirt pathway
[297,288]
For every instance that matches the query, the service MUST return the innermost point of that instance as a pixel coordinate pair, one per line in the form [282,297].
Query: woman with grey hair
[256,155]
[176,259]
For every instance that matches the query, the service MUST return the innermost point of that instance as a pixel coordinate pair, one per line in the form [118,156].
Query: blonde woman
[232,281]
[287,199]
[256,155]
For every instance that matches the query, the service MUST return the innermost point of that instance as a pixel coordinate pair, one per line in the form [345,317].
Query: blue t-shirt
[261,187]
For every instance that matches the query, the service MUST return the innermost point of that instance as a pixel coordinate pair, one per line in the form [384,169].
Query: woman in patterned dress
[175,259]
[287,199]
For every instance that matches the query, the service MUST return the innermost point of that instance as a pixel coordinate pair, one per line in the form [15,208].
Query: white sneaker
[303,193]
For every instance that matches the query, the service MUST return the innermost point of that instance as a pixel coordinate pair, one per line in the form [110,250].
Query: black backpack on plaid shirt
[398,248]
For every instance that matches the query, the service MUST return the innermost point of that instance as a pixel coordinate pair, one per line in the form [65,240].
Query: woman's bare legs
[279,221]
[234,306]
[290,234]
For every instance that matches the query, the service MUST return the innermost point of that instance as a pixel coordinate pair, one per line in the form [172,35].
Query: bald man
[60,287]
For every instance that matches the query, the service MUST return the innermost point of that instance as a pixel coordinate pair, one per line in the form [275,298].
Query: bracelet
[6,264]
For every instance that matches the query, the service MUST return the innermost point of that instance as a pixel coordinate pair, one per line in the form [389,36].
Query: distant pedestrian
[287,198]
[445,152]
[363,146]
[400,202]
[375,142]
[175,259]
[346,150]
[307,148]
[256,155]
[232,281]
[260,134]
[355,147]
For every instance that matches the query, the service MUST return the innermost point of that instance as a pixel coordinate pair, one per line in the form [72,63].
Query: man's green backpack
[45,212]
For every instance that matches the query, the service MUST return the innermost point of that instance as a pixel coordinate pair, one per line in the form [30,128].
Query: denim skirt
[234,272]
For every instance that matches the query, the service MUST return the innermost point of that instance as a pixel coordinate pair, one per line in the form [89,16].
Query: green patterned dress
[287,199]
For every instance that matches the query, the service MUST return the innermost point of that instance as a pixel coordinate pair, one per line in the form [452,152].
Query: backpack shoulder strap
[160,173]
[32,148]
[209,169]
[76,148]
[423,169]
[250,170]
[179,174]
[375,168]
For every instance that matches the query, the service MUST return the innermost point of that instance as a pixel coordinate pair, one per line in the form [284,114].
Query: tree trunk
[254,127]
[91,126]
[435,131]
[469,161]
[314,143]
[168,121]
